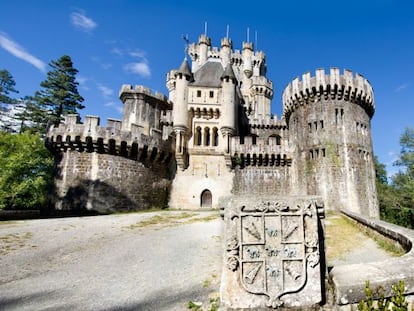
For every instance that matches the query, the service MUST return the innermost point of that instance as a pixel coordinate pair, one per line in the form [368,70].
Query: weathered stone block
[272,256]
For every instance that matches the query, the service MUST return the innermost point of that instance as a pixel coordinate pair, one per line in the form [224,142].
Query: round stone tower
[329,116]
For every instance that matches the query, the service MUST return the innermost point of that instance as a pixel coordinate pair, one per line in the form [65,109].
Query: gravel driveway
[142,261]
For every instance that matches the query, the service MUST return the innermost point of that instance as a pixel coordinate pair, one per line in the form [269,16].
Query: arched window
[215,137]
[206,136]
[206,198]
[197,136]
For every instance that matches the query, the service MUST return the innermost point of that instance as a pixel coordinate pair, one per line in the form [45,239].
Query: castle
[214,136]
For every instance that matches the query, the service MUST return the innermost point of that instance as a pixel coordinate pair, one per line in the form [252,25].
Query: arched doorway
[206,198]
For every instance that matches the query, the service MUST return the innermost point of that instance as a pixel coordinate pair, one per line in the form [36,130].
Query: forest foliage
[26,166]
[396,194]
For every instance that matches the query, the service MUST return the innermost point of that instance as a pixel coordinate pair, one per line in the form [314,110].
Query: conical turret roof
[185,68]
[228,72]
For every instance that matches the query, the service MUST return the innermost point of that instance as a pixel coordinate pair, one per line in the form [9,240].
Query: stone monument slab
[272,253]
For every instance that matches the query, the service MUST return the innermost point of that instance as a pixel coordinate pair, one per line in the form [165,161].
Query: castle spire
[184,69]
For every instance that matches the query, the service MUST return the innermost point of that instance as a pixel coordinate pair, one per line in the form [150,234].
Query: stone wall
[265,180]
[106,183]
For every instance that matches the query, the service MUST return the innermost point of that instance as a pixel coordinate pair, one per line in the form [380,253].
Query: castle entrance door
[206,198]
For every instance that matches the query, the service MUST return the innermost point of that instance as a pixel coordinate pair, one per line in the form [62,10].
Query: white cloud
[117,51]
[82,82]
[106,66]
[16,50]
[401,87]
[142,69]
[139,67]
[114,105]
[82,22]
[105,91]
[138,53]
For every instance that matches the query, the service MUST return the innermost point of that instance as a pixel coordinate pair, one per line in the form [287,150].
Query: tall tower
[180,112]
[329,116]
[229,106]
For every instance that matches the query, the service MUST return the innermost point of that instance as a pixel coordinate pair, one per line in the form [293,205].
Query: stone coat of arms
[273,248]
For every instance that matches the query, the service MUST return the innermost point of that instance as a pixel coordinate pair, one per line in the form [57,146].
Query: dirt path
[144,261]
[119,262]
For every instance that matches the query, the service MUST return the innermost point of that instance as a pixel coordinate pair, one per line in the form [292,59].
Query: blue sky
[137,42]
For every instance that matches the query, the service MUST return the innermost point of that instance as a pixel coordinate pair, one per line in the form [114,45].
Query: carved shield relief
[273,248]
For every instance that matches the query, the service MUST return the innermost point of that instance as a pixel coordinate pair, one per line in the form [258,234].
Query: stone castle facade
[214,136]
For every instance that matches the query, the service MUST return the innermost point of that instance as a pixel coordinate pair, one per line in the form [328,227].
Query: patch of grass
[8,222]
[167,219]
[340,236]
[210,217]
[390,246]
[206,283]
[214,302]
[172,219]
[196,306]
[343,234]
[13,241]
[150,210]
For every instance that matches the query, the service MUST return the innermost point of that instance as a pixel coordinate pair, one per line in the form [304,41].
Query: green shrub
[25,171]
[395,303]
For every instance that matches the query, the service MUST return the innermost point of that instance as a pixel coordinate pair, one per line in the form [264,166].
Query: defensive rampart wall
[105,169]
[335,86]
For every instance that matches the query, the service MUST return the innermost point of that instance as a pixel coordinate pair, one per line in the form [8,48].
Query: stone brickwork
[106,183]
[272,256]
[329,130]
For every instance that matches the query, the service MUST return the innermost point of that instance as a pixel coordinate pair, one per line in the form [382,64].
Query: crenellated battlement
[140,89]
[268,123]
[350,87]
[261,86]
[259,151]
[91,137]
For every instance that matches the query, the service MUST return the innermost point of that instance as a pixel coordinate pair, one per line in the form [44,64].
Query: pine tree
[7,85]
[59,95]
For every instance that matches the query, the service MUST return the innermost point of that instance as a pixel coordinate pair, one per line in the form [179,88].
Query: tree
[387,198]
[396,199]
[33,117]
[25,171]
[406,158]
[59,95]
[7,85]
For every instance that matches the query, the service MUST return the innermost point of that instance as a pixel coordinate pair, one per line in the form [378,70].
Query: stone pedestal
[272,256]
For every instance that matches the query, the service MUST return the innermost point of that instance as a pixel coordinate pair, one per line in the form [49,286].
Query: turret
[180,112]
[247,58]
[229,104]
[259,64]
[225,51]
[204,44]
[261,91]
[328,116]
[141,108]
[183,77]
